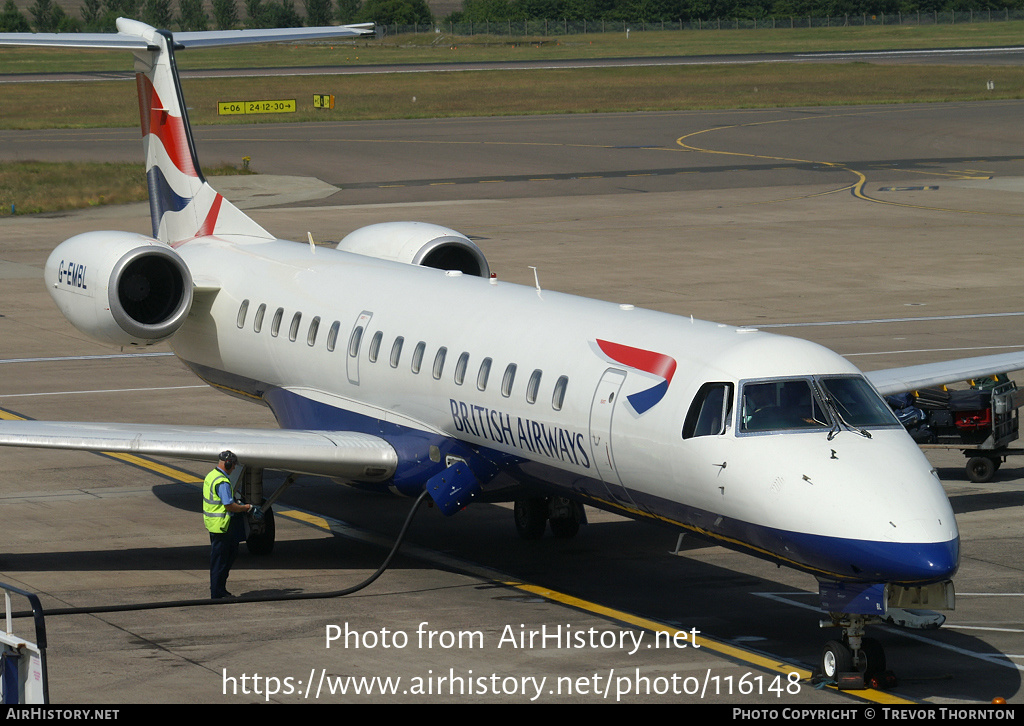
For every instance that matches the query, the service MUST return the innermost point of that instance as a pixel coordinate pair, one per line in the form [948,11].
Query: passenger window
[439,362]
[460,369]
[558,397]
[293,331]
[709,413]
[483,374]
[396,351]
[375,346]
[332,335]
[242,310]
[354,340]
[508,379]
[533,386]
[314,326]
[417,356]
[257,323]
[275,326]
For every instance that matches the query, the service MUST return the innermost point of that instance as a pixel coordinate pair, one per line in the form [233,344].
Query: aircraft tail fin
[182,204]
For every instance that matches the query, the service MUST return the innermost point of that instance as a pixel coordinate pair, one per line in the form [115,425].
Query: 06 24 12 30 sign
[225,108]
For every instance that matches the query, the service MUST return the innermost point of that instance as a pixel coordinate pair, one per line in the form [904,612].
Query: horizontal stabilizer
[208,38]
[911,378]
[340,454]
[134,35]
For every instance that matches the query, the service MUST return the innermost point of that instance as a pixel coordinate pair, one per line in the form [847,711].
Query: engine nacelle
[418,243]
[119,287]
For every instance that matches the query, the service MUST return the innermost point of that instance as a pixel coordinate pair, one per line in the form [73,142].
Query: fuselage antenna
[536,278]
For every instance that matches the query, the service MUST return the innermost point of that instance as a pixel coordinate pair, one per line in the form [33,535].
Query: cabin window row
[483,372]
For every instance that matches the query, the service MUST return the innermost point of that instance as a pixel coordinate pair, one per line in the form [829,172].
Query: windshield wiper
[834,407]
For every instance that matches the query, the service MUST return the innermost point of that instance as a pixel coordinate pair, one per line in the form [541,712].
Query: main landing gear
[260,530]
[532,516]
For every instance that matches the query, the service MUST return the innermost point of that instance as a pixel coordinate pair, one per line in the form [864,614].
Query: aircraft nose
[911,563]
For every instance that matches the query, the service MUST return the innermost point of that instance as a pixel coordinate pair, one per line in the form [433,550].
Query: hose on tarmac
[243,599]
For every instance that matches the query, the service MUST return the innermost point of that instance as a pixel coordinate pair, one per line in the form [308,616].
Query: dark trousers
[223,550]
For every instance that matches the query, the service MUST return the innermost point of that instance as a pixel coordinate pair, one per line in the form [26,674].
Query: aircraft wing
[899,380]
[341,454]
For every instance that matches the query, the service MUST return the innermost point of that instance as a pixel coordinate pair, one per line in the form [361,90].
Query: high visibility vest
[215,515]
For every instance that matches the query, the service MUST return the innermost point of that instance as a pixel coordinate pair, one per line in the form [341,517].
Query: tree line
[45,16]
[99,15]
[478,11]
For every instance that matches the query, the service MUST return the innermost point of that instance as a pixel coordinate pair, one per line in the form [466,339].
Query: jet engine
[120,287]
[418,243]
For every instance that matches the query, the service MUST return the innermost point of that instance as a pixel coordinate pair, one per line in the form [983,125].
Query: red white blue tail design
[182,204]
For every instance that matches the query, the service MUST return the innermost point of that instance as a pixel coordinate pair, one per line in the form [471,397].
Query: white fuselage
[782,495]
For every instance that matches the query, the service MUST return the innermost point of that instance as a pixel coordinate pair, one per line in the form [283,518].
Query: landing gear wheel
[565,528]
[261,538]
[565,516]
[872,659]
[836,658]
[531,517]
[981,469]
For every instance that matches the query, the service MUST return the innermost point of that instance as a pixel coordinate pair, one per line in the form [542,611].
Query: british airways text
[522,433]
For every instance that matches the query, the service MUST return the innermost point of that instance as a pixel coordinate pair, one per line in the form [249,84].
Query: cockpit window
[785,404]
[824,403]
[856,402]
[710,411]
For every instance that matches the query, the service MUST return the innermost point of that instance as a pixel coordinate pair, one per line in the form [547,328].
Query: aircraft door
[602,413]
[355,340]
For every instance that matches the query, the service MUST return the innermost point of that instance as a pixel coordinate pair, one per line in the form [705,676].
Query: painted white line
[110,390]
[999,659]
[937,350]
[888,320]
[84,357]
[937,51]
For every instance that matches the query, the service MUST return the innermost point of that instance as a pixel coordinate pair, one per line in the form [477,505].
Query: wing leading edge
[910,378]
[340,454]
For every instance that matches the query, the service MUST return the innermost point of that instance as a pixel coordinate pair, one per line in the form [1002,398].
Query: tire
[872,659]
[531,517]
[262,544]
[565,528]
[981,469]
[836,658]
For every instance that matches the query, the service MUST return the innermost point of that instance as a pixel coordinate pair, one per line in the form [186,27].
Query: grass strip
[445,48]
[33,187]
[500,93]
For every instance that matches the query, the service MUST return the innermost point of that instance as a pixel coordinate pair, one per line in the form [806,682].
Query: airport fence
[578,27]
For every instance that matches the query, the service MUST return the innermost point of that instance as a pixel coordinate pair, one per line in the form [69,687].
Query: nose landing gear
[855,661]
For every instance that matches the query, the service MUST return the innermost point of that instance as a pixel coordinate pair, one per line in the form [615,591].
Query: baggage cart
[982,422]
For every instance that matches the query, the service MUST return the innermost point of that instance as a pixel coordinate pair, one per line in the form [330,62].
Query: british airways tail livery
[395,361]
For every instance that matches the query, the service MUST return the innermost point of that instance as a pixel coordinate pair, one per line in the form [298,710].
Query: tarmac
[890,234]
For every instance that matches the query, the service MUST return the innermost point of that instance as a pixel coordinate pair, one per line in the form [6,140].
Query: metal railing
[23,663]
[518,28]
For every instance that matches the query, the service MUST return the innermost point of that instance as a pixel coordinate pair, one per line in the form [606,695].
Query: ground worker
[226,530]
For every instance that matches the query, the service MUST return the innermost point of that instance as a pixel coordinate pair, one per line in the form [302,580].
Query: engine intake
[418,243]
[119,287]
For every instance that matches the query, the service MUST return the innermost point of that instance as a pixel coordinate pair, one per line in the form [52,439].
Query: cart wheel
[980,469]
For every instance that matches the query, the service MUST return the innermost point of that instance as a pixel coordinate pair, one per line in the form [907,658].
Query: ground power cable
[199,602]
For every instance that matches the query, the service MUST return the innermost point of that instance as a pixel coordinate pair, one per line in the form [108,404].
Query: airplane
[395,361]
